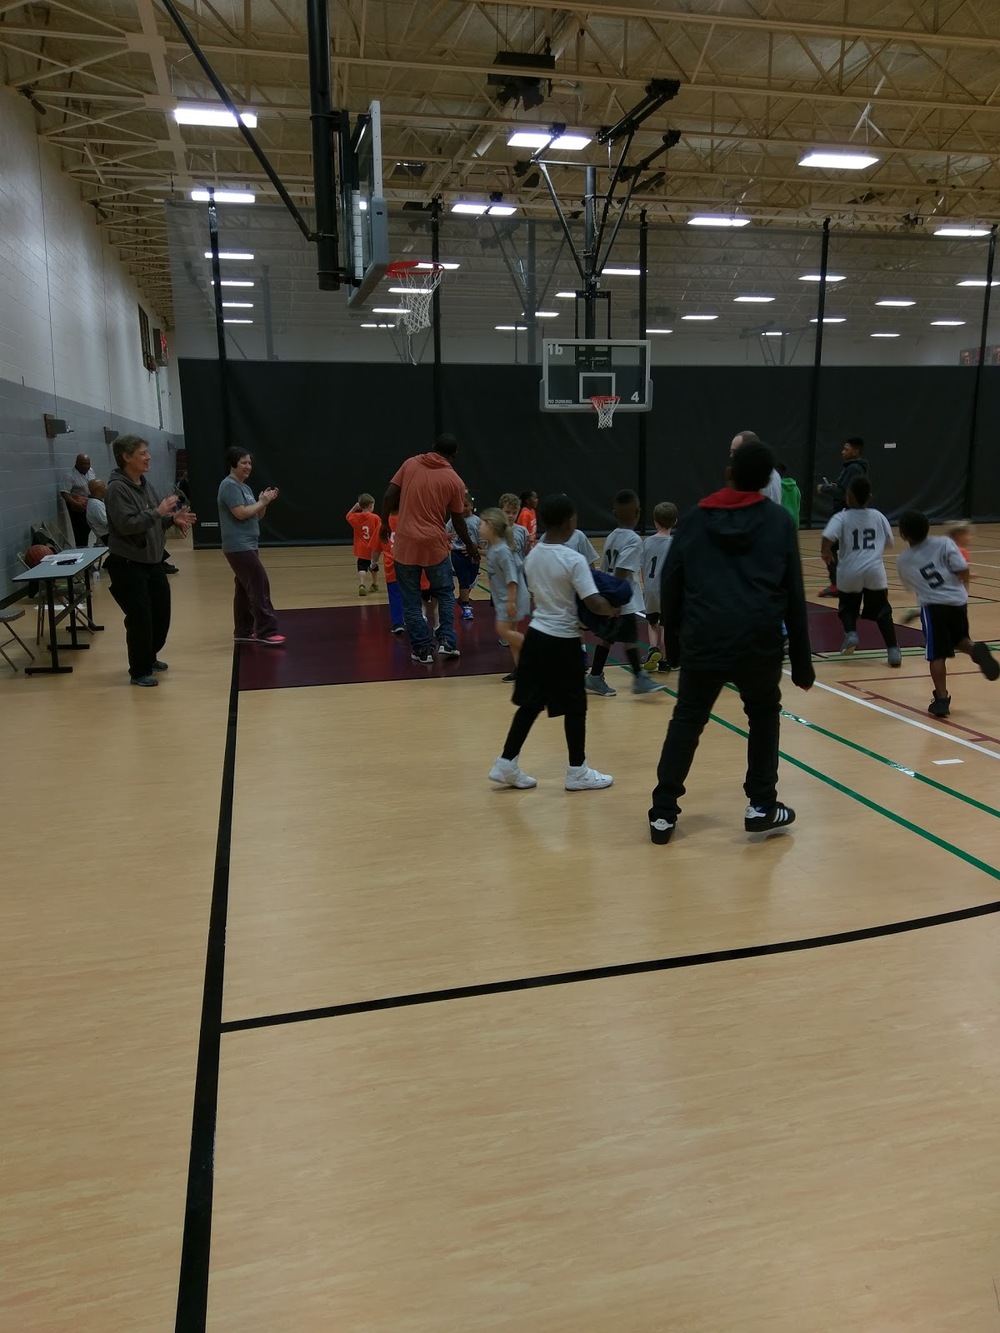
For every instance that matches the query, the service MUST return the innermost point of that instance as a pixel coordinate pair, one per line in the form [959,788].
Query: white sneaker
[586,779]
[508,774]
[850,643]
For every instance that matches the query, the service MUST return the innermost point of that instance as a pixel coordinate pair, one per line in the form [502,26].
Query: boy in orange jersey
[365,522]
[528,517]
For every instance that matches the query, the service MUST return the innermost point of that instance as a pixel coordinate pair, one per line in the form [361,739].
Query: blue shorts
[465,571]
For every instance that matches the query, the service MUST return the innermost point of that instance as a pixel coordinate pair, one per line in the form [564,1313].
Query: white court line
[940,762]
[898,717]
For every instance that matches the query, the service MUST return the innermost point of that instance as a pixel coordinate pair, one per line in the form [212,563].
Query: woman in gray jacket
[137,520]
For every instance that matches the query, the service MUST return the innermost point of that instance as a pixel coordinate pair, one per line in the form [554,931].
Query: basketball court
[488,1058]
[311,1027]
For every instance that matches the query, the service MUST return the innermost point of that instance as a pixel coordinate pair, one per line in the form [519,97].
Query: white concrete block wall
[69,339]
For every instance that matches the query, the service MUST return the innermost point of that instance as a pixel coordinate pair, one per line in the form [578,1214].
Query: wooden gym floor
[484,1059]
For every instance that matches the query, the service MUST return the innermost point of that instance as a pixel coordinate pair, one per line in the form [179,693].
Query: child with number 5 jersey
[938,573]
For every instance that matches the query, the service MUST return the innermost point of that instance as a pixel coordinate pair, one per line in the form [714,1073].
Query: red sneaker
[275,640]
[831,591]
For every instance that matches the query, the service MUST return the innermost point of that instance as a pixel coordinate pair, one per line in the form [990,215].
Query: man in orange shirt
[364,521]
[427,491]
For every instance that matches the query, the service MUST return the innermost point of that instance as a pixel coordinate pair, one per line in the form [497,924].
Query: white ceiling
[918,81]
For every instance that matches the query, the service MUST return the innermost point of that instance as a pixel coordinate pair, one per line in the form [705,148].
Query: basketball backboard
[576,370]
[365,217]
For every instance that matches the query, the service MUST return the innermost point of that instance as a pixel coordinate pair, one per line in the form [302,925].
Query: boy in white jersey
[935,569]
[859,535]
[623,558]
[654,556]
[548,670]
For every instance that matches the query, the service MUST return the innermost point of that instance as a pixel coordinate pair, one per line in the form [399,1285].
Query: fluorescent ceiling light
[235,282]
[818,277]
[901,304]
[427,263]
[510,328]
[883,335]
[753,300]
[962,231]
[539,138]
[976,282]
[773,333]
[838,160]
[237,305]
[237,321]
[947,323]
[717,220]
[659,330]
[830,319]
[230,254]
[701,317]
[213,115]
[223,197]
[478,210]
[566,296]
[619,272]
[388,310]
[544,314]
[378,326]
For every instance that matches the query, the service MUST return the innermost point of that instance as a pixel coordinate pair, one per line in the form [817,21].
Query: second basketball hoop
[604,405]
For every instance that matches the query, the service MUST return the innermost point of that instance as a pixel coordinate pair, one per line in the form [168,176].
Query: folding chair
[8,614]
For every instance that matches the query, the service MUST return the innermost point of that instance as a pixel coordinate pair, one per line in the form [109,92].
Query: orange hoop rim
[599,400]
[405,268]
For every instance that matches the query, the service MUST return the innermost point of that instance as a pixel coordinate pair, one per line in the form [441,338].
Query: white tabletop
[62,566]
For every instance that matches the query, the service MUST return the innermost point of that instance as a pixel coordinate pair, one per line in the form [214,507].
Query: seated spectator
[97,515]
[74,492]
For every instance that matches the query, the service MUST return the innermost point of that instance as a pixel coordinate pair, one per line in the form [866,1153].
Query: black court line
[612,970]
[196,1244]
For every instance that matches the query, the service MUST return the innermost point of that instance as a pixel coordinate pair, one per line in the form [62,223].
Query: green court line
[992,871]
[889,763]
[967,857]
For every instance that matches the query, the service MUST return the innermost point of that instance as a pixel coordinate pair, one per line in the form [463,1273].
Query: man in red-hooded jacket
[732,577]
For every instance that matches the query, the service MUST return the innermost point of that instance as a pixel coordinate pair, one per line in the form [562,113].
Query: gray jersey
[623,551]
[581,543]
[502,569]
[654,556]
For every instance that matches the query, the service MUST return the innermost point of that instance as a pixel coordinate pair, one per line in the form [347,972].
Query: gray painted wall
[31,467]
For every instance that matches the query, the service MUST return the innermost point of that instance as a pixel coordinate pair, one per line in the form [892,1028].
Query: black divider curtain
[323,432]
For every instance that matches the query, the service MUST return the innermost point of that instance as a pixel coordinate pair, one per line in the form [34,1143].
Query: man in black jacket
[854,466]
[732,576]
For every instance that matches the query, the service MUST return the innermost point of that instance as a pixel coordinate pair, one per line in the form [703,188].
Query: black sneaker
[169,569]
[939,707]
[665,667]
[761,819]
[422,657]
[985,661]
[661,830]
[509,679]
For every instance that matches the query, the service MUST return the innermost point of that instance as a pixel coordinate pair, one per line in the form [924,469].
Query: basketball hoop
[604,405]
[421,281]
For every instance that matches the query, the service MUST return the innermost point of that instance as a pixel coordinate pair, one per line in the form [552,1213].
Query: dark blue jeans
[760,691]
[443,588]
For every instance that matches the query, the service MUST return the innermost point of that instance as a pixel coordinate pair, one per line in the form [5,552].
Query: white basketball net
[605,406]
[421,284]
